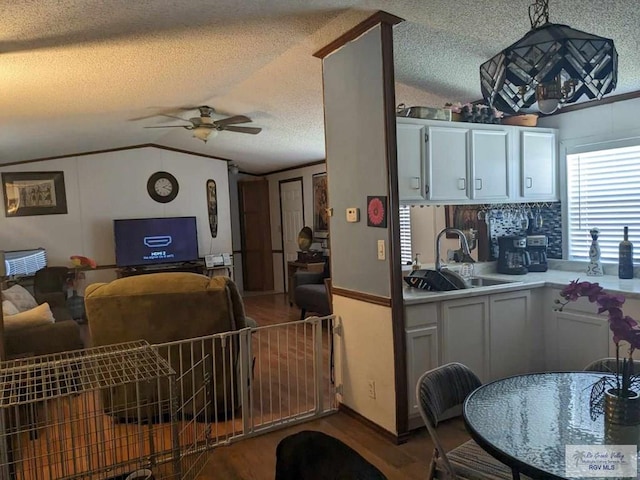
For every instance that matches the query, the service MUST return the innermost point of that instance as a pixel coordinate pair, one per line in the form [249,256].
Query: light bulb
[548,105]
[204,133]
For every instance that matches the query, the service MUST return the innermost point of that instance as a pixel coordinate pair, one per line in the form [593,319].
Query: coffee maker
[513,257]
[537,248]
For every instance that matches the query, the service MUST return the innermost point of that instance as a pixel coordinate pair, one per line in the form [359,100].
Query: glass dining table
[527,421]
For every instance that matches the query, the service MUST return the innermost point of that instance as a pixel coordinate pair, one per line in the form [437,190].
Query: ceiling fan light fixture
[204,133]
[551,62]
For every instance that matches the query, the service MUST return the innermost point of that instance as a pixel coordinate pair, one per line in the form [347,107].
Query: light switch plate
[353,214]
[381,250]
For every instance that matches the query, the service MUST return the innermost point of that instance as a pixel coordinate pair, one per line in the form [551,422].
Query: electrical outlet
[381,252]
[372,389]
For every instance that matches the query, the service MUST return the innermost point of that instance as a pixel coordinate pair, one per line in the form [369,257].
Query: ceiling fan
[205,127]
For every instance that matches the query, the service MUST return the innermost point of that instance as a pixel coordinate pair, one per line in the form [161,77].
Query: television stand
[193,267]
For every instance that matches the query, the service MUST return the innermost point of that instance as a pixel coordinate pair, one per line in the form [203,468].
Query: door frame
[284,260]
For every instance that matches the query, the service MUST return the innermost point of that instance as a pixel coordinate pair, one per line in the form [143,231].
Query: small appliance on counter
[537,248]
[513,257]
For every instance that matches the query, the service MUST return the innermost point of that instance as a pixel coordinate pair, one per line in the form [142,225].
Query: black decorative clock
[162,187]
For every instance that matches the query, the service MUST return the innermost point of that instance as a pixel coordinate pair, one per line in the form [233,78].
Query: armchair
[311,292]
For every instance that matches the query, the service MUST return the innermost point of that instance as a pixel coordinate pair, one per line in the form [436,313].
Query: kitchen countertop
[558,276]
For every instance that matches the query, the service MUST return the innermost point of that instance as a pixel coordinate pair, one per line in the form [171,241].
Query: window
[603,191]
[405,234]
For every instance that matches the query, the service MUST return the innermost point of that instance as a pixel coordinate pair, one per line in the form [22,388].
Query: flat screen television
[152,241]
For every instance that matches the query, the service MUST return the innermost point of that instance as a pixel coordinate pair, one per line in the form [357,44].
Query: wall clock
[162,187]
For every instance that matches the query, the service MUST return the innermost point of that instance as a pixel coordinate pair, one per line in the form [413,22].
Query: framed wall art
[377,211]
[320,205]
[33,193]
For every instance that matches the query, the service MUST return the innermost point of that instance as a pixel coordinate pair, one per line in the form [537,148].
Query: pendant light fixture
[551,65]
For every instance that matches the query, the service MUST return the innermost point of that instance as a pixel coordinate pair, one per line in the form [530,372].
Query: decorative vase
[75,304]
[622,418]
[595,266]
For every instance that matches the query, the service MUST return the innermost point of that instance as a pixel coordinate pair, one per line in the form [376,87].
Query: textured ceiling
[86,75]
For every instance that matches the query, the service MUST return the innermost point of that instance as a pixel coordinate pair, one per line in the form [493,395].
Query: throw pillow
[9,308]
[41,315]
[20,297]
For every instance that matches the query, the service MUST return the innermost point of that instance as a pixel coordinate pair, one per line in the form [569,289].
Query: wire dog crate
[99,413]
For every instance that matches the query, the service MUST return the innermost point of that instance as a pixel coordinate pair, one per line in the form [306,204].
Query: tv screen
[146,241]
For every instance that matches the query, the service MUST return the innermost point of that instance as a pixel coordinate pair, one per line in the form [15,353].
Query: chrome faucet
[463,241]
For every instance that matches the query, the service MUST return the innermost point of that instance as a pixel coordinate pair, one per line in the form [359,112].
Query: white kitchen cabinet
[465,334]
[410,152]
[510,335]
[538,164]
[446,166]
[575,339]
[469,163]
[490,164]
[422,355]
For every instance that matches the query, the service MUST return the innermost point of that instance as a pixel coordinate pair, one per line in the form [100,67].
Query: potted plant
[618,395]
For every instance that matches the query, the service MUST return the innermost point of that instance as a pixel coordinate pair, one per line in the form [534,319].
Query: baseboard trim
[392,437]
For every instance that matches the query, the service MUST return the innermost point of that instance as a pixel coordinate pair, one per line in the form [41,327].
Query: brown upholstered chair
[170,307]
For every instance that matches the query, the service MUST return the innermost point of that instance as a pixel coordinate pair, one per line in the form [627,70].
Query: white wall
[106,186]
[613,121]
[274,204]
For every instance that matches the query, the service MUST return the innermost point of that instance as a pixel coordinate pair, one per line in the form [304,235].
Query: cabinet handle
[415,183]
[462,184]
[478,184]
[529,182]
[426,189]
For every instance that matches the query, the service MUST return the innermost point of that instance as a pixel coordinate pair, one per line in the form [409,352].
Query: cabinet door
[510,338]
[465,334]
[577,339]
[447,163]
[422,355]
[538,165]
[410,151]
[490,157]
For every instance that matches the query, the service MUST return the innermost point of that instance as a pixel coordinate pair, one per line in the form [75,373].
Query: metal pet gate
[106,412]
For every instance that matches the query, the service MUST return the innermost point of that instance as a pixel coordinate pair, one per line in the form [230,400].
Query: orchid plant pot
[622,418]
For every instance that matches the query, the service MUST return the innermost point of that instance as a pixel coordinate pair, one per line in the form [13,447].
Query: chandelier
[552,65]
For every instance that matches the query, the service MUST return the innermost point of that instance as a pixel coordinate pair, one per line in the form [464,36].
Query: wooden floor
[254,458]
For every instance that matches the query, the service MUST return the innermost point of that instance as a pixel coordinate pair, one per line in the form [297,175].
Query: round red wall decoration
[377,211]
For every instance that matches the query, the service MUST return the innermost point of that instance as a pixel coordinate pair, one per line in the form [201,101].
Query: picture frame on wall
[320,205]
[33,193]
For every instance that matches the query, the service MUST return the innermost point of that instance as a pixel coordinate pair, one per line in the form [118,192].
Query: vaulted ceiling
[89,75]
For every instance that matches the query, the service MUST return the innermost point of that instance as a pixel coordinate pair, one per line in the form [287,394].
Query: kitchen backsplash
[510,219]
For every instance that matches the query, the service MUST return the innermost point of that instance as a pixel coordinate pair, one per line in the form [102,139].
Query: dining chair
[438,392]
[608,365]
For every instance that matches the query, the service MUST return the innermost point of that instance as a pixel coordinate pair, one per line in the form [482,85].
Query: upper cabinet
[538,164]
[470,163]
[446,163]
[411,144]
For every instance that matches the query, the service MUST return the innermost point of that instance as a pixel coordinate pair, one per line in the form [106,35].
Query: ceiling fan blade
[188,127]
[172,116]
[251,130]
[235,119]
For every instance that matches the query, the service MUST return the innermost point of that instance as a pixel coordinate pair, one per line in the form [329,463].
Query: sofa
[310,292]
[169,307]
[44,339]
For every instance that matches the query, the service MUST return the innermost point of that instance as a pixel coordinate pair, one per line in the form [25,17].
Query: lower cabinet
[576,339]
[510,336]
[465,334]
[422,355]
[489,334]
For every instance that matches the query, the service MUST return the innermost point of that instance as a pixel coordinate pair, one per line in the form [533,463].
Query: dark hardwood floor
[254,458]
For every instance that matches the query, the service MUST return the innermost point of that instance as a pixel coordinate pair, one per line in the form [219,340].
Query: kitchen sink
[475,282]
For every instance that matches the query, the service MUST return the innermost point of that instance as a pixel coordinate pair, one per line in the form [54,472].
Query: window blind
[405,234]
[603,191]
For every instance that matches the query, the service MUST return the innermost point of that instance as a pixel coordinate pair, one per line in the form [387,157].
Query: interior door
[255,227]
[292,215]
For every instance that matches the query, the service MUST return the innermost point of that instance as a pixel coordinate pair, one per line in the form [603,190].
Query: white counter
[551,278]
